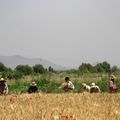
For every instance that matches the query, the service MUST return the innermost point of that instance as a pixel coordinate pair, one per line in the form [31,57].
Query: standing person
[94,88]
[67,86]
[33,88]
[112,85]
[3,86]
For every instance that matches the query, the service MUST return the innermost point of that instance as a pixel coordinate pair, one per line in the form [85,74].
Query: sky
[65,32]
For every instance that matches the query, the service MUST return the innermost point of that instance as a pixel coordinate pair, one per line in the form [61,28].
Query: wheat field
[70,106]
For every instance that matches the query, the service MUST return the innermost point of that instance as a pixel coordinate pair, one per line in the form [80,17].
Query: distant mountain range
[13,61]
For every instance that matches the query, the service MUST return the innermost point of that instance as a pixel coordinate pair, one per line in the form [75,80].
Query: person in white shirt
[94,88]
[85,88]
[67,86]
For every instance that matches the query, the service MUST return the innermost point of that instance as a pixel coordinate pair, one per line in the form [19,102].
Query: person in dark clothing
[33,88]
[3,87]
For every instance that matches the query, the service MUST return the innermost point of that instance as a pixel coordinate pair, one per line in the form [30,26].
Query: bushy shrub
[2,67]
[9,73]
[103,67]
[39,69]
[24,69]
[18,74]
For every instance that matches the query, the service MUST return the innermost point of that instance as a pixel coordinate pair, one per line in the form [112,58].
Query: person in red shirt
[112,85]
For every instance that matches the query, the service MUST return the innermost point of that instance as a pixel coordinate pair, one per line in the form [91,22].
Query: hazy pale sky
[66,32]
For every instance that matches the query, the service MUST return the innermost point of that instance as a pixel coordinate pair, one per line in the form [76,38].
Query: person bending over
[67,86]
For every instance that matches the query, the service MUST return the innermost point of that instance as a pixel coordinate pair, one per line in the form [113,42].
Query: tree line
[23,70]
[103,67]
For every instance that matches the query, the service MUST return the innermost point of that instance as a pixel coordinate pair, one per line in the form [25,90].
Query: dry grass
[60,107]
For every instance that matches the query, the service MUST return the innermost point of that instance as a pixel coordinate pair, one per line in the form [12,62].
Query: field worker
[85,88]
[3,86]
[67,86]
[112,85]
[94,88]
[33,88]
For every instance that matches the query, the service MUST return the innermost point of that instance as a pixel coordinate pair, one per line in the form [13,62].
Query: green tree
[83,68]
[50,69]
[103,67]
[86,68]
[24,69]
[106,66]
[99,68]
[17,74]
[8,73]
[38,68]
[114,69]
[2,67]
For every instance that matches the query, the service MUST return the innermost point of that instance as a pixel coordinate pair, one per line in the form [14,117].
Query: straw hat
[2,80]
[34,84]
[83,84]
[112,77]
[93,84]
